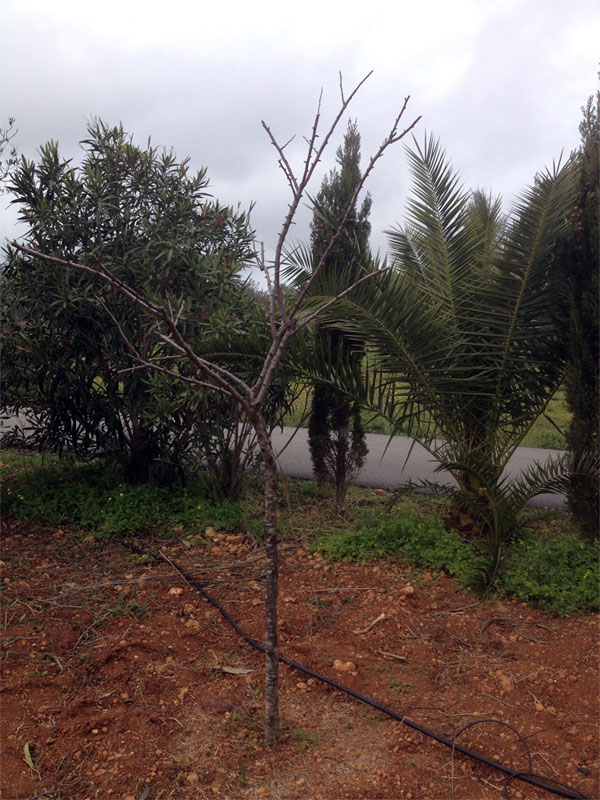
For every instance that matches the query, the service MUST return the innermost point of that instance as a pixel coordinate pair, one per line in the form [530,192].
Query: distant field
[543,434]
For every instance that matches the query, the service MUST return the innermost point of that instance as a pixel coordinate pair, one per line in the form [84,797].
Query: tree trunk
[138,459]
[341,470]
[272,722]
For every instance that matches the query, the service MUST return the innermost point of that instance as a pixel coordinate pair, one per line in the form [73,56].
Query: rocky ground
[120,681]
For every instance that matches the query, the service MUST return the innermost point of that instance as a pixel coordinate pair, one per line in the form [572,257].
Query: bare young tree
[284,322]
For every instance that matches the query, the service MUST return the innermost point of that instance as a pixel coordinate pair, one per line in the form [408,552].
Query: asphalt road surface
[385,469]
[389,469]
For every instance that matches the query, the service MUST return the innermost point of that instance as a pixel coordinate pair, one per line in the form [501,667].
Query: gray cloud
[500,83]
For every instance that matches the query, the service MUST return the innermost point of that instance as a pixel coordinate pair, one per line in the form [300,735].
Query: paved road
[387,472]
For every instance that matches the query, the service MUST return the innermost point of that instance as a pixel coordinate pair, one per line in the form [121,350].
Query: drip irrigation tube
[541,782]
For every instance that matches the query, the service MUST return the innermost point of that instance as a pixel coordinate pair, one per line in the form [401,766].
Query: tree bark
[272,719]
[341,470]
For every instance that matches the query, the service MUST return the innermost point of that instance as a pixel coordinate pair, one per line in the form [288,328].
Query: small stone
[344,666]
[300,782]
[193,624]
[95,732]
[192,778]
[176,590]
[408,589]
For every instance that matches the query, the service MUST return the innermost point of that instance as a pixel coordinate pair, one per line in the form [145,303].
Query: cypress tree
[579,261]
[335,434]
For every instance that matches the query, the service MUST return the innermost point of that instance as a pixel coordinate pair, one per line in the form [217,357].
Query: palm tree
[467,343]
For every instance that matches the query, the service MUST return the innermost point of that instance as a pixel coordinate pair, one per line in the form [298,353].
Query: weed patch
[406,534]
[560,573]
[93,497]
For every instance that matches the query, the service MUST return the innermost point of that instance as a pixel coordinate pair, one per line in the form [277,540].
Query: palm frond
[436,245]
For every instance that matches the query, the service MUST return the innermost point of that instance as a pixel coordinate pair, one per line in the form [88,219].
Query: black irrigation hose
[539,781]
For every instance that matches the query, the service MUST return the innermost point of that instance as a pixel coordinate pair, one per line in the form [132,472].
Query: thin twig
[392,655]
[370,625]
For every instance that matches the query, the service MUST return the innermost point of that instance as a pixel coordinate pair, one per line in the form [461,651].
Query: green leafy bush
[559,574]
[405,534]
[148,216]
[96,499]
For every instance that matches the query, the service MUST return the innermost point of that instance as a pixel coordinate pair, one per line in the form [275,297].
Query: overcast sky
[501,82]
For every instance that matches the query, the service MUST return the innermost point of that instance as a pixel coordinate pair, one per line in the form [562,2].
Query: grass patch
[550,565]
[93,497]
[559,573]
[406,534]
[542,434]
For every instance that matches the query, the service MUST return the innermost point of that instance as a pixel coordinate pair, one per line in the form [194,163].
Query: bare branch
[310,165]
[313,137]
[125,339]
[390,139]
[288,322]
[145,365]
[341,87]
[283,162]
[179,312]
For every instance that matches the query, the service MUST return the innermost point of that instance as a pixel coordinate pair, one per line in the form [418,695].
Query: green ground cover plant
[547,564]
[559,574]
[557,571]
[405,534]
[97,498]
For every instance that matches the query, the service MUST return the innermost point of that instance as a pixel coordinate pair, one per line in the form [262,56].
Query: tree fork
[283,324]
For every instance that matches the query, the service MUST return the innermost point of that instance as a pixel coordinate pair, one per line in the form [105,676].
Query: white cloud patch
[501,83]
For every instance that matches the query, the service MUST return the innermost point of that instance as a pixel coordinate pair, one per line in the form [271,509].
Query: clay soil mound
[120,681]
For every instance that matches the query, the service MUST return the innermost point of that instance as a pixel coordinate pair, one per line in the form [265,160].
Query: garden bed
[120,681]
